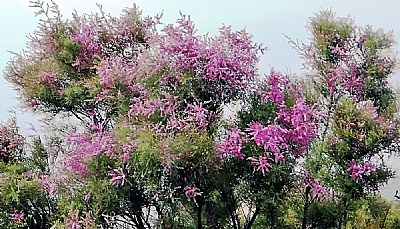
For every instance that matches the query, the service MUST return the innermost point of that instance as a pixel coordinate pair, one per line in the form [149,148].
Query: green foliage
[19,192]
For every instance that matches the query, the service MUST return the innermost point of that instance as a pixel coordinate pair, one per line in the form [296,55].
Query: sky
[267,20]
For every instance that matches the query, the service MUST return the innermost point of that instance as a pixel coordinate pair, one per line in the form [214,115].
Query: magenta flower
[279,157]
[364,169]
[199,115]
[73,221]
[90,48]
[48,77]
[275,84]
[117,177]
[338,50]
[355,170]
[191,192]
[87,146]
[368,168]
[261,163]
[232,147]
[318,190]
[49,184]
[126,152]
[33,103]
[271,138]
[18,217]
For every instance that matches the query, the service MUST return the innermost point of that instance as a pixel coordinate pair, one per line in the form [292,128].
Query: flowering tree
[350,67]
[23,202]
[156,151]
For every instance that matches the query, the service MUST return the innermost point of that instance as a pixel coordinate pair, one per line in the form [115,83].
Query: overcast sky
[267,20]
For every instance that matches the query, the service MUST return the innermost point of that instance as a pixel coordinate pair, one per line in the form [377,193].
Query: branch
[250,223]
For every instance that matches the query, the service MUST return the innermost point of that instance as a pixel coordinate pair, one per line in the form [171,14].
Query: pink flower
[126,152]
[48,77]
[73,221]
[318,190]
[191,192]
[198,114]
[364,169]
[49,184]
[279,157]
[271,138]
[33,103]
[87,146]
[368,167]
[261,163]
[117,177]
[232,147]
[338,50]
[90,48]
[275,89]
[355,170]
[18,217]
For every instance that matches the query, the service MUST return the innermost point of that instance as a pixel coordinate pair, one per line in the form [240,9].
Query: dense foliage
[154,148]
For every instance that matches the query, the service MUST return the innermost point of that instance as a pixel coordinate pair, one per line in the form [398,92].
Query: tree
[24,203]
[350,67]
[156,150]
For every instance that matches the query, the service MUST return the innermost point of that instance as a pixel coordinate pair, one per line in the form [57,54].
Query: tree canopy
[154,148]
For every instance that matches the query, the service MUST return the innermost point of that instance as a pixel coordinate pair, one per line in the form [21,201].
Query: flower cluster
[90,48]
[291,132]
[232,146]
[318,190]
[357,171]
[118,177]
[11,142]
[87,147]
[191,192]
[18,217]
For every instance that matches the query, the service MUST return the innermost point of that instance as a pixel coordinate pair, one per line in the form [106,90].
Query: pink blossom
[73,221]
[279,157]
[191,192]
[261,163]
[18,217]
[126,152]
[86,146]
[48,77]
[33,103]
[363,169]
[338,50]
[49,184]
[90,49]
[275,86]
[271,138]
[318,190]
[199,115]
[117,177]
[232,147]
[333,78]
[368,167]
[175,124]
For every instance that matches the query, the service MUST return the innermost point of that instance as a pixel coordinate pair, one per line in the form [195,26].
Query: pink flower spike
[279,157]
[73,221]
[318,190]
[18,217]
[33,103]
[232,147]
[191,192]
[117,177]
[261,163]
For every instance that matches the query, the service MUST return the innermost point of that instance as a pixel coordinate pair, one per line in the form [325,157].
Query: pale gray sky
[267,20]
